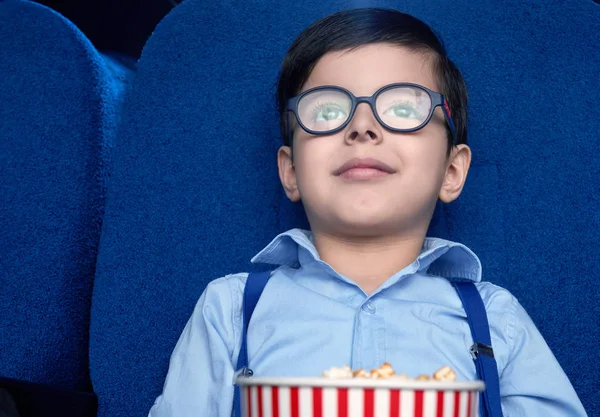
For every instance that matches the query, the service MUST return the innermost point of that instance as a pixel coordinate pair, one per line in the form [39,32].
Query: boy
[365,286]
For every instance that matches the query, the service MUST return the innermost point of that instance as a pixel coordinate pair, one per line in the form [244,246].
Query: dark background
[114,25]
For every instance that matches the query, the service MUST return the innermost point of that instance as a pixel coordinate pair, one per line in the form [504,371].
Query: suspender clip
[244,372]
[480,348]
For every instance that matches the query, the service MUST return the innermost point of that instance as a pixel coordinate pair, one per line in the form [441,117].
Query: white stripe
[407,403]
[243,402]
[305,402]
[429,403]
[464,403]
[382,403]
[254,393]
[475,406]
[449,404]
[330,401]
[284,402]
[267,402]
[355,402]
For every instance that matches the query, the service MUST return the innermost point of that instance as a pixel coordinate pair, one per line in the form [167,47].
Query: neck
[368,261]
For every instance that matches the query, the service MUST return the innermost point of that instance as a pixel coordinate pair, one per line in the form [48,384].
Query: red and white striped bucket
[322,397]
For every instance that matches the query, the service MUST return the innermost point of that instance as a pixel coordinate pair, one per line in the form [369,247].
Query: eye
[403,110]
[327,112]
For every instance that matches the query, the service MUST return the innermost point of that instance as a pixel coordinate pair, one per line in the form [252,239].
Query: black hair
[357,27]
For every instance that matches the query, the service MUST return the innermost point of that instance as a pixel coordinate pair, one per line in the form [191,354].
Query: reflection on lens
[403,107]
[324,110]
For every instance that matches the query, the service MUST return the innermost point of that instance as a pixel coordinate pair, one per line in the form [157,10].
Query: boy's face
[370,200]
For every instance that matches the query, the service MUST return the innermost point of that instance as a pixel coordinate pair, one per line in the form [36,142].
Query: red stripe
[317,402]
[343,402]
[447,108]
[440,404]
[418,403]
[394,403]
[249,400]
[369,402]
[275,401]
[469,405]
[457,404]
[295,402]
[260,402]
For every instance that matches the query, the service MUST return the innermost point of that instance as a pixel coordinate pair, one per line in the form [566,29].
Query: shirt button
[369,307]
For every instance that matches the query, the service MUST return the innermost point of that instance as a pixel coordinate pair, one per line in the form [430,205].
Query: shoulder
[503,308]
[495,296]
[226,285]
[222,298]
[501,301]
[229,289]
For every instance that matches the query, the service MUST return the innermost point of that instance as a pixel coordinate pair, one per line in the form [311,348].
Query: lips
[363,168]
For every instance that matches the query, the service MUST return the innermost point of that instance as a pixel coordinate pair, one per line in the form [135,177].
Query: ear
[456,173]
[287,173]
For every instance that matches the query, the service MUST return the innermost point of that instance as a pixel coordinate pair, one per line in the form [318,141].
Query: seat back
[195,191]
[58,108]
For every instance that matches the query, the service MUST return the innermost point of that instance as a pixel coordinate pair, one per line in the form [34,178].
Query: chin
[366,226]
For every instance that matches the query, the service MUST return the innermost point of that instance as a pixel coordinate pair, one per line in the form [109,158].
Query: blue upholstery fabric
[58,108]
[195,191]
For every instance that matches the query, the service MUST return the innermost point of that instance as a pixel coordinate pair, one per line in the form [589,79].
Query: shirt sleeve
[200,377]
[532,382]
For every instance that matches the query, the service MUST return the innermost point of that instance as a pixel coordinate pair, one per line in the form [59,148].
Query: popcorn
[336,373]
[361,373]
[386,371]
[445,374]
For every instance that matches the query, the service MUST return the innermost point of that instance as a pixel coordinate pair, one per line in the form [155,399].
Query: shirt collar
[438,256]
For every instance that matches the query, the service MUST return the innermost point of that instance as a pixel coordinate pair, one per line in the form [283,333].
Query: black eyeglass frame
[437,99]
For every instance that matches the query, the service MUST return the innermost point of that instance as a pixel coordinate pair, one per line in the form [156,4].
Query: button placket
[356,301]
[371,333]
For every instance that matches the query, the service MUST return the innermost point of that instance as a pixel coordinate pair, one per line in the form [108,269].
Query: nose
[363,126]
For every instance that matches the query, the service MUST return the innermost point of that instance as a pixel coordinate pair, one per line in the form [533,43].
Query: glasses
[401,107]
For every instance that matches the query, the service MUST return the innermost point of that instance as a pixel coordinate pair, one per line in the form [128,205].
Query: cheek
[314,160]
[425,165]
[314,153]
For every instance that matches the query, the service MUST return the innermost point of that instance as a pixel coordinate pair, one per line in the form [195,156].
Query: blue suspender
[481,351]
[255,284]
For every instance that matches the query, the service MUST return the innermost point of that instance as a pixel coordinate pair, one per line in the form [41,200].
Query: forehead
[367,68]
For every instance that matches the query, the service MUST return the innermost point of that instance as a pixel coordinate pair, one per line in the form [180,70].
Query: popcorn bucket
[357,397]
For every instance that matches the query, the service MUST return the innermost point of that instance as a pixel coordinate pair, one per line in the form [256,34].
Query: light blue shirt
[310,318]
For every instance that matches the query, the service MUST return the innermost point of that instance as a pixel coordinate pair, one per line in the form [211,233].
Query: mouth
[363,169]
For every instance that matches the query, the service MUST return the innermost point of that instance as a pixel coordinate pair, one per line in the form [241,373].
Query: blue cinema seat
[195,192]
[59,107]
